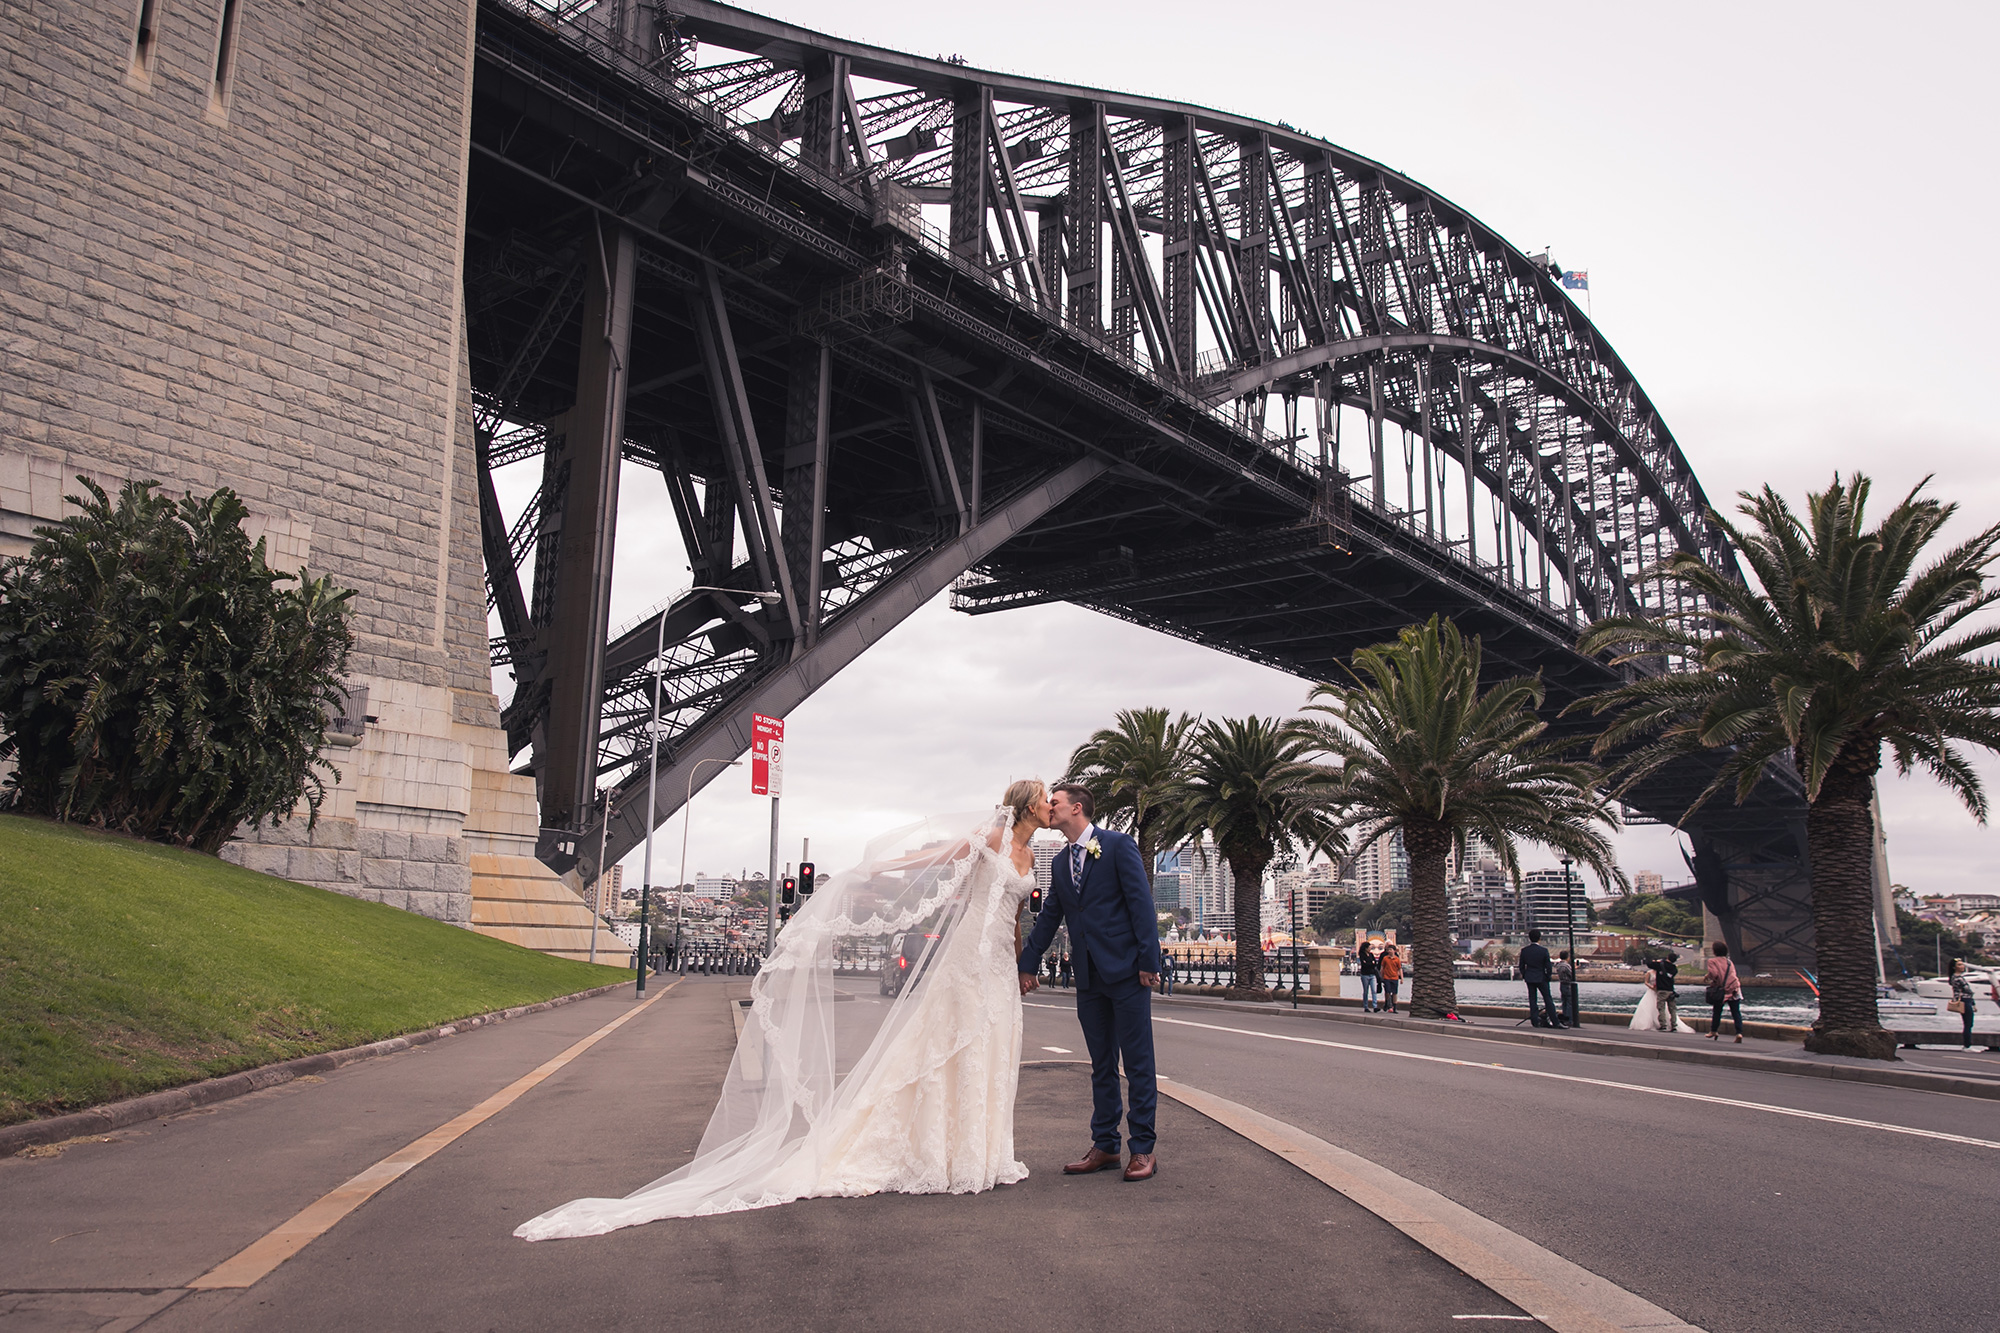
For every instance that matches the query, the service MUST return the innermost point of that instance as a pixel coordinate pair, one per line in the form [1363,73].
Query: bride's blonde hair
[1022,794]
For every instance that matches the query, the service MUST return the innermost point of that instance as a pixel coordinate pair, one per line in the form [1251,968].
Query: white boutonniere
[1094,848]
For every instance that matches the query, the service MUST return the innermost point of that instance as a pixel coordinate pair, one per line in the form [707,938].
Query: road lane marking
[256,1260]
[1821,1116]
[1059,1050]
[1564,1296]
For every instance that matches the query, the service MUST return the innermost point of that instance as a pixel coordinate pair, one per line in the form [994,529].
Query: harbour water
[1795,1005]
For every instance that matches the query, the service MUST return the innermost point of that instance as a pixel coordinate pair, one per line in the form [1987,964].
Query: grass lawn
[126,967]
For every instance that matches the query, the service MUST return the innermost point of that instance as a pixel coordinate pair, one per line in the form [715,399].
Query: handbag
[1955,1007]
[1714,993]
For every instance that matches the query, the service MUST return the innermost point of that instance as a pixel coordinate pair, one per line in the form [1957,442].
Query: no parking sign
[767,755]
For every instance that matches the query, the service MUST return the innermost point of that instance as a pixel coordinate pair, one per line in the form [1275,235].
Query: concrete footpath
[111,1233]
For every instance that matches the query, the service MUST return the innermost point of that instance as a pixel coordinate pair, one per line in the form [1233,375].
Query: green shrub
[156,679]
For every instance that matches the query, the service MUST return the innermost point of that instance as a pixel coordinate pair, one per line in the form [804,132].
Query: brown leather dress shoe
[1142,1166]
[1094,1160]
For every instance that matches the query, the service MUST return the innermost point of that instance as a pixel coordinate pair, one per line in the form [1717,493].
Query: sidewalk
[108,1234]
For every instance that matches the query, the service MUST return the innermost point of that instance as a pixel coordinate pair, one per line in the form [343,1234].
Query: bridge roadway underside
[840,417]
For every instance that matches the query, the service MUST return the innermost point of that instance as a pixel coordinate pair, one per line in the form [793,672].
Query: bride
[1646,1018]
[836,1090]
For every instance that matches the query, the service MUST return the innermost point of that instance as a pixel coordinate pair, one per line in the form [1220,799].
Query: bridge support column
[1177,248]
[970,152]
[580,605]
[1083,206]
[1253,261]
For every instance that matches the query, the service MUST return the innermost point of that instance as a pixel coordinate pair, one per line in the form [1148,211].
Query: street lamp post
[1569,911]
[1297,957]
[653,783]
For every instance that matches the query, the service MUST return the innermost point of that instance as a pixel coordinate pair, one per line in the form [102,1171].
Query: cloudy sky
[1784,212]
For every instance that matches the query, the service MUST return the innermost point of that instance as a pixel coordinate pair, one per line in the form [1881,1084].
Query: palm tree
[1134,770]
[1423,751]
[1844,645]
[1250,784]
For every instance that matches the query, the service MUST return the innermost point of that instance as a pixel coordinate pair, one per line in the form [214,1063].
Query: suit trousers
[1540,989]
[1117,1019]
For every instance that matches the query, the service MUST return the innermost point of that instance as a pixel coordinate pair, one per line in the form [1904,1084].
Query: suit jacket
[1113,929]
[1534,963]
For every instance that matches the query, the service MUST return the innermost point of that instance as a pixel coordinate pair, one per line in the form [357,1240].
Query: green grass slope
[126,967]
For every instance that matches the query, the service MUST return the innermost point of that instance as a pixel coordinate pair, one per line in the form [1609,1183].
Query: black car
[905,961]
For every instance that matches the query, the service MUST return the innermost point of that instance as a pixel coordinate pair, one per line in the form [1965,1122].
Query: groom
[1100,887]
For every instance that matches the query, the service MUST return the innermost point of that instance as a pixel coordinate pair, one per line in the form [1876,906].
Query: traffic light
[791,890]
[806,878]
[784,914]
[1035,899]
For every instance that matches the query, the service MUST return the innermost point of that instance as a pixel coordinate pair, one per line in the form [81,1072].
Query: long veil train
[813,1035]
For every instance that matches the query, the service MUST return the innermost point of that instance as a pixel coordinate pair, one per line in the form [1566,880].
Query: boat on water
[1888,1002]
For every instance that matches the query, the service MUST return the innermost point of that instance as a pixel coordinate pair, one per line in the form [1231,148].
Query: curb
[168,1101]
[1892,1078]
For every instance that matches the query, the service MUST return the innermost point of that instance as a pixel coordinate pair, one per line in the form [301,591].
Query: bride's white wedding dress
[837,1091]
[1646,1018]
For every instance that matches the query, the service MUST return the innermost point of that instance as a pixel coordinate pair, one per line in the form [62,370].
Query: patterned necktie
[1076,864]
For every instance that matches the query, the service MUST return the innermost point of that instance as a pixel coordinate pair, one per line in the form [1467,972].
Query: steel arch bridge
[877,319]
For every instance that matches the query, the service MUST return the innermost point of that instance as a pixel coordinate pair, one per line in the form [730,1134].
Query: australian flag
[1577,280]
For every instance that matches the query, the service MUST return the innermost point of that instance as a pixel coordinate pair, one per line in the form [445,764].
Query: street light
[1569,910]
[653,780]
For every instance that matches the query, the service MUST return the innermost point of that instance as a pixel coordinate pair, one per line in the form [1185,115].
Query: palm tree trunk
[1434,989]
[1248,867]
[1840,847]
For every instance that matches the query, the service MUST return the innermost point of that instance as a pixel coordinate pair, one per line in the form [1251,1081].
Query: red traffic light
[806,878]
[1035,899]
[791,890]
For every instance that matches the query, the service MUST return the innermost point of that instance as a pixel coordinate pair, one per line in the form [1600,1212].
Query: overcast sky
[1784,210]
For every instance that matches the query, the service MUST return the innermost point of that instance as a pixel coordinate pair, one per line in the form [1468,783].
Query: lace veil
[818,1022]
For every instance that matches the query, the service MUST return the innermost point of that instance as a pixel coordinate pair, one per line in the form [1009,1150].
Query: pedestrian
[1536,969]
[1055,968]
[1724,987]
[1392,976]
[1670,1005]
[1066,973]
[1370,968]
[1166,974]
[1961,998]
[1566,989]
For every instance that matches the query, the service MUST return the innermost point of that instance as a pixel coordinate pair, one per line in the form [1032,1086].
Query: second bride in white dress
[1646,1018]
[837,1089]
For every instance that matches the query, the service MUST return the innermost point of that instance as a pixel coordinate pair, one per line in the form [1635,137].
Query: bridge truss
[875,319]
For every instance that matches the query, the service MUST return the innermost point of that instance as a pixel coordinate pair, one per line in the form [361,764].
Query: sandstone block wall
[256,283]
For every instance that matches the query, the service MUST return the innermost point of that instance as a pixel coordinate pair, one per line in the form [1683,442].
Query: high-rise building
[1208,889]
[1484,902]
[606,895]
[1383,867]
[1170,890]
[1648,881]
[1548,900]
[1045,849]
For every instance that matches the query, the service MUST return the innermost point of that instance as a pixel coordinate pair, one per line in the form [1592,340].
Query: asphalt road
[1730,1216]
[108,1235]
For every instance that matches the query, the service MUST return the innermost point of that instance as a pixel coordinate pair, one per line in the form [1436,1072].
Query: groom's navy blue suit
[1114,936]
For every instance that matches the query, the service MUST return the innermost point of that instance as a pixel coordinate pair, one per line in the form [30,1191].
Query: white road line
[1821,1116]
[1059,1050]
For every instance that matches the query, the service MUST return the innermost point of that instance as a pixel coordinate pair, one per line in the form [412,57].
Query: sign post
[767,778]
